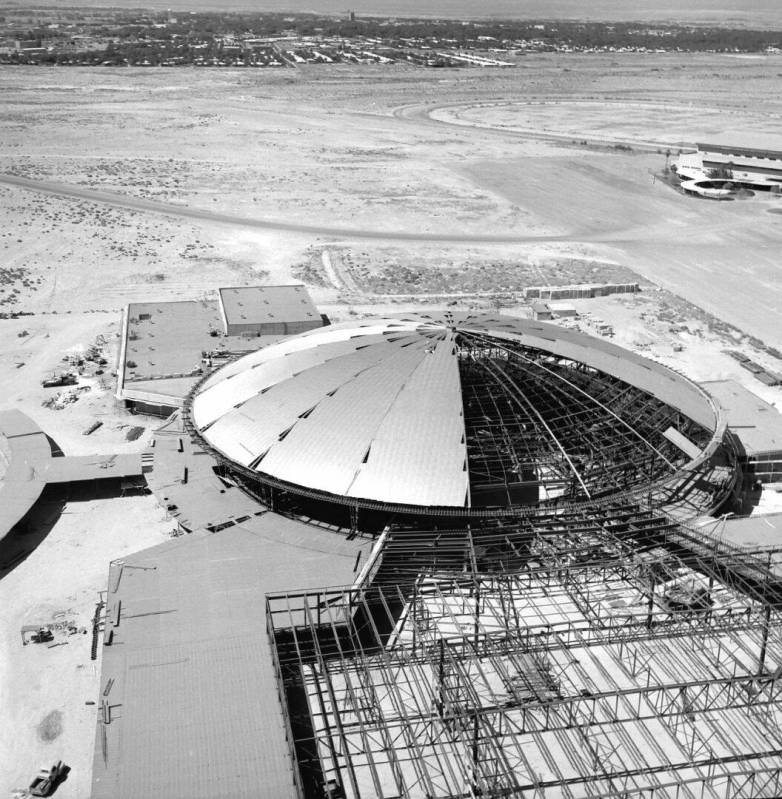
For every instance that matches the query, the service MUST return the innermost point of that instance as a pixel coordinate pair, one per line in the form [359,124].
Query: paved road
[188,212]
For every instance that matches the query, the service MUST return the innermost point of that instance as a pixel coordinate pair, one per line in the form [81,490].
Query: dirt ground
[384,151]
[60,582]
[391,189]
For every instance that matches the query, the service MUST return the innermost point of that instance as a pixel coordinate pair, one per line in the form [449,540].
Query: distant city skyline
[746,13]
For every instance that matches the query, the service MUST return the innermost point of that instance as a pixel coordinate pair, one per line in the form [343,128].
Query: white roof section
[373,410]
[427,469]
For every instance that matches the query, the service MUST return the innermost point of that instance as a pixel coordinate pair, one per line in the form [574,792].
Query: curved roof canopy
[461,412]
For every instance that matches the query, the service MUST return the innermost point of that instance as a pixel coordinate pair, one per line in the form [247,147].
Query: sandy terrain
[442,210]
[43,691]
[61,581]
[654,124]
[374,150]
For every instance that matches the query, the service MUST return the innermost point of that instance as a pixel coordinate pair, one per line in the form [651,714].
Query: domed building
[462,417]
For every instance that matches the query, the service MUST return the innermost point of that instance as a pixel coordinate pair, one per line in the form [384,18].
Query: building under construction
[524,603]
[592,653]
[458,418]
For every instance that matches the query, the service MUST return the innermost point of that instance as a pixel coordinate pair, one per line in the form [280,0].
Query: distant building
[579,291]
[562,309]
[541,311]
[268,311]
[24,45]
[707,171]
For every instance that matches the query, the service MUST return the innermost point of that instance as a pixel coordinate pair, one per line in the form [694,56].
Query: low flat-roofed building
[161,352]
[268,311]
[756,424]
[752,167]
[579,291]
[163,343]
[28,465]
[189,697]
[562,309]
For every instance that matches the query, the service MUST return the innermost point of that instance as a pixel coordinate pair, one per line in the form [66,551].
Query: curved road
[423,113]
[188,212]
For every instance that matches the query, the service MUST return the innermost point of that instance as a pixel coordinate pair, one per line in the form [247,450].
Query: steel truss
[545,659]
[541,432]
[533,419]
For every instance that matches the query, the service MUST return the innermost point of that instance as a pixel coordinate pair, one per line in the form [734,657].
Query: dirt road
[433,114]
[140,204]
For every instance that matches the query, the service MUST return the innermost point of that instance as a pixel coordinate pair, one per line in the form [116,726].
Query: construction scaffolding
[593,654]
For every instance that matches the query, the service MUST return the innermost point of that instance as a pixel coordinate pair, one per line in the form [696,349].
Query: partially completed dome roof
[452,412]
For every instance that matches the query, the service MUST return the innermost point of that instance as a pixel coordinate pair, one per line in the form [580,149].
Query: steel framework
[585,654]
[534,419]
[541,431]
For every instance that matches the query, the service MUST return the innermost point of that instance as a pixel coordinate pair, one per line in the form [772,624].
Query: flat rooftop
[189,676]
[757,151]
[27,465]
[202,499]
[757,423]
[762,530]
[78,468]
[267,305]
[164,343]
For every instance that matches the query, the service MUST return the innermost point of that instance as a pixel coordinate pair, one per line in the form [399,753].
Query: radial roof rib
[604,356]
[518,395]
[247,431]
[220,397]
[512,431]
[325,450]
[583,427]
[589,397]
[425,464]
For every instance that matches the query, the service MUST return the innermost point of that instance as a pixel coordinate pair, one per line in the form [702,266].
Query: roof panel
[245,432]
[420,464]
[343,331]
[394,432]
[325,450]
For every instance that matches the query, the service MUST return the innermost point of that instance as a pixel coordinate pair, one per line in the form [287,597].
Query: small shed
[541,311]
[560,309]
